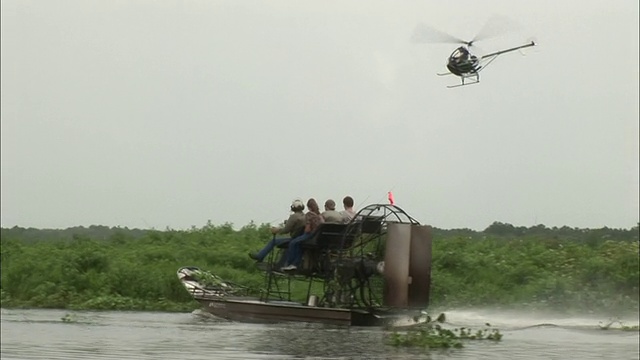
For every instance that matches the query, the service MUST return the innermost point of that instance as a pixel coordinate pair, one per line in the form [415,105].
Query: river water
[43,334]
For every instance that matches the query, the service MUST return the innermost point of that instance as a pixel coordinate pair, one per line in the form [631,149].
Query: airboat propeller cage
[407,265]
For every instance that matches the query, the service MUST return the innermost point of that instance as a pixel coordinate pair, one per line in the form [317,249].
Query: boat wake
[520,320]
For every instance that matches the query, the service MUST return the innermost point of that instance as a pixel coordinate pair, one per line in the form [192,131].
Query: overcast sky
[156,114]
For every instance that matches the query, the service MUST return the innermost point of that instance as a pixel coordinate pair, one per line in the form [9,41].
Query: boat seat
[371,224]
[331,236]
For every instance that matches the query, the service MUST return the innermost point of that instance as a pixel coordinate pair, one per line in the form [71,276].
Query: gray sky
[170,113]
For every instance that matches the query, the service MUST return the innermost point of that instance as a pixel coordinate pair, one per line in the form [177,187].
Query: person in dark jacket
[294,226]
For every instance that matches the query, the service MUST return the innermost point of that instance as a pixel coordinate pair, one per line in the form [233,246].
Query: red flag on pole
[390,197]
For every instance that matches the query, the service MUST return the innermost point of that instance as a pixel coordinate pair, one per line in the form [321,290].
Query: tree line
[101,232]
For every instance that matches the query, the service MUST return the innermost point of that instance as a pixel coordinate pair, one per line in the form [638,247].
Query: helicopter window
[460,53]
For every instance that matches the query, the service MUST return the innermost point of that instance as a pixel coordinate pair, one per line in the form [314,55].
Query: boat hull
[252,309]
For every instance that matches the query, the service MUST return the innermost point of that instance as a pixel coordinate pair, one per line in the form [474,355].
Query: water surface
[42,334]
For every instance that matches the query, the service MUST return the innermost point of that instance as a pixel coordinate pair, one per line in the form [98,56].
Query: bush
[137,269]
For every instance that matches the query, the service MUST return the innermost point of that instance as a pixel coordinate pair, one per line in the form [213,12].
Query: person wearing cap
[330,215]
[294,226]
[313,219]
[348,213]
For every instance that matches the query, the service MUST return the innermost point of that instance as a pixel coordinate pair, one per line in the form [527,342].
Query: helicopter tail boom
[508,50]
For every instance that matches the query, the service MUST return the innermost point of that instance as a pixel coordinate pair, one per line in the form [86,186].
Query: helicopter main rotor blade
[426,34]
[495,26]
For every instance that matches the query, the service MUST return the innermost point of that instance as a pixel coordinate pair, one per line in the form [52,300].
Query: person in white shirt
[348,213]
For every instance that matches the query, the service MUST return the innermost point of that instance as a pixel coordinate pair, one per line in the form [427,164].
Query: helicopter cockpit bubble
[462,62]
[460,54]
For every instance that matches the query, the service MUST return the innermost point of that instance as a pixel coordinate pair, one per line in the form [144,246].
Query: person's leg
[267,249]
[294,252]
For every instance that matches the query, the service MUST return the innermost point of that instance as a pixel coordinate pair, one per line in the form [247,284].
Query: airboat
[373,271]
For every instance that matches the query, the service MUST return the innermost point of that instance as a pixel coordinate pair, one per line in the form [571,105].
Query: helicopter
[462,62]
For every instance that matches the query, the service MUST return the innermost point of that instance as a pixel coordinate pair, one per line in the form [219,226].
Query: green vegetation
[432,335]
[537,272]
[116,268]
[435,336]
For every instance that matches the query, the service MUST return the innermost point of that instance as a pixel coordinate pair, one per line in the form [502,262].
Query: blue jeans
[294,252]
[270,245]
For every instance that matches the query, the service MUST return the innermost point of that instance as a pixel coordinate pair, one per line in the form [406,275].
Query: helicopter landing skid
[471,79]
[463,84]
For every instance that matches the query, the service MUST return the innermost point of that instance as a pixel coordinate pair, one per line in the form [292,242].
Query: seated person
[330,215]
[313,219]
[293,226]
[348,212]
